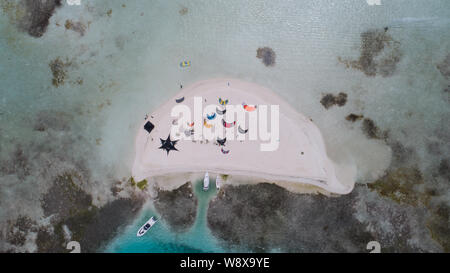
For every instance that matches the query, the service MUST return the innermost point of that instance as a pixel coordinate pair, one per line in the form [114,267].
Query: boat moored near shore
[206,182]
[219,181]
[146,226]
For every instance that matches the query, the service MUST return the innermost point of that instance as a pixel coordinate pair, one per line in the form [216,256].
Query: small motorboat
[206,182]
[146,226]
[219,181]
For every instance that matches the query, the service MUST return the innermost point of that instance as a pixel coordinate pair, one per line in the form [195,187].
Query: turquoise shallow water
[160,238]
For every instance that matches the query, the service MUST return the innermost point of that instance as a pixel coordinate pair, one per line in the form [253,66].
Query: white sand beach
[300,158]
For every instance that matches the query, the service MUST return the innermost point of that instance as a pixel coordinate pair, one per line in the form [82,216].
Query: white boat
[206,182]
[219,181]
[146,226]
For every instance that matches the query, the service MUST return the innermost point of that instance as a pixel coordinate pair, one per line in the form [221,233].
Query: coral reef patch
[179,207]
[267,56]
[330,100]
[31,16]
[379,54]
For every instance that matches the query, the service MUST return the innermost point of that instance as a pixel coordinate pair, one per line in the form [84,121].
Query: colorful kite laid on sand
[188,132]
[221,112]
[211,117]
[206,124]
[228,124]
[223,102]
[242,131]
[249,108]
[221,142]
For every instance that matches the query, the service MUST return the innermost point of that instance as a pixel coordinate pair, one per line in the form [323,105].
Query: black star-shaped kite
[168,144]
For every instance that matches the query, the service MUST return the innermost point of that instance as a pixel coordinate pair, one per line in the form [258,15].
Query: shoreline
[283,165]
